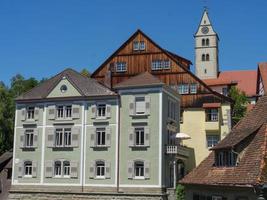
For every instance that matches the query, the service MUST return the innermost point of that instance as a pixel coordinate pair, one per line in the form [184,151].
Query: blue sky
[40,38]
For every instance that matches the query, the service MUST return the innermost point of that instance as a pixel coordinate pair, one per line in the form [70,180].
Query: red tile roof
[263,74]
[211,105]
[250,134]
[246,80]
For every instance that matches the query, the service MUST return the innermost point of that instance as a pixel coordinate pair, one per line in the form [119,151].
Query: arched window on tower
[203,57]
[203,42]
[207,42]
[207,57]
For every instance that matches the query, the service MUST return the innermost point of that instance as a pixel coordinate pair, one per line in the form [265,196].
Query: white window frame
[64,111]
[27,167]
[212,115]
[142,45]
[66,168]
[156,65]
[139,133]
[100,109]
[99,133]
[136,46]
[214,139]
[63,137]
[29,137]
[67,137]
[193,88]
[121,67]
[166,64]
[140,102]
[101,166]
[30,112]
[139,171]
[58,169]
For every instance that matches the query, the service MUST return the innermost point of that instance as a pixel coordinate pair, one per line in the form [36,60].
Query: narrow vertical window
[57,168]
[139,169]
[100,169]
[28,168]
[207,57]
[29,138]
[60,112]
[30,112]
[135,45]
[101,136]
[207,42]
[67,137]
[66,168]
[203,42]
[140,105]
[68,111]
[142,45]
[203,57]
[101,110]
[139,136]
[59,137]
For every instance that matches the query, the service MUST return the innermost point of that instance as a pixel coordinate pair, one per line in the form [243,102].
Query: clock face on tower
[204,29]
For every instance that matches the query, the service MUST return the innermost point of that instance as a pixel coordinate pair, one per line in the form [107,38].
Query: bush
[180,192]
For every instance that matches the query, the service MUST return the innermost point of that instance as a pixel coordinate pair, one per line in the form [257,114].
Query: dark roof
[140,80]
[5,158]
[246,126]
[86,86]
[251,136]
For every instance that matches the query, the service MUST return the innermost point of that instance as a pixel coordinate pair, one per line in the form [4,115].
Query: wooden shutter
[147,136]
[107,169]
[130,169]
[93,111]
[92,136]
[108,108]
[147,169]
[75,135]
[132,105]
[73,169]
[147,102]
[34,169]
[35,137]
[22,138]
[23,114]
[50,137]
[131,137]
[92,170]
[48,168]
[51,112]
[20,169]
[36,113]
[108,136]
[76,111]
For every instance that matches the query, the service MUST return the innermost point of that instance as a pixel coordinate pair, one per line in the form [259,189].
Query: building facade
[74,136]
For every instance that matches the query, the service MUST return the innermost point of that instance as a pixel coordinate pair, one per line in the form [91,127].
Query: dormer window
[225,158]
[121,67]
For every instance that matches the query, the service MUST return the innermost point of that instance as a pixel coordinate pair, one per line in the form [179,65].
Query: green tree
[180,193]
[240,105]
[85,72]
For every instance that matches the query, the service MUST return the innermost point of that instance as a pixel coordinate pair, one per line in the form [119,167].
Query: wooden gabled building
[205,113]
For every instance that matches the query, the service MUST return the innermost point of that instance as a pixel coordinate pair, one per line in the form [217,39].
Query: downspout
[118,153]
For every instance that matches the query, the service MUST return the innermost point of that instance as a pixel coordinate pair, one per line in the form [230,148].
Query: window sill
[27,176]
[101,118]
[139,178]
[100,177]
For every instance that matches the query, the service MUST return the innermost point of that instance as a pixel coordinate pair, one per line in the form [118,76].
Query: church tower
[206,49]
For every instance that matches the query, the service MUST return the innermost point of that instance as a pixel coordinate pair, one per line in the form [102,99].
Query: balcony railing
[177,149]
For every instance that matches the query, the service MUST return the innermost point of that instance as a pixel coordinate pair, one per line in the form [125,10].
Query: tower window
[203,57]
[203,42]
[207,42]
[207,57]
[205,71]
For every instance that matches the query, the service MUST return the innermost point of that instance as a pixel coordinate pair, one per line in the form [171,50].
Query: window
[193,88]
[139,136]
[203,42]
[203,57]
[160,64]
[100,169]
[205,71]
[183,89]
[226,158]
[64,111]
[30,112]
[135,45]
[167,64]
[121,67]
[100,136]
[139,169]
[207,57]
[207,42]
[60,111]
[225,91]
[101,110]
[29,138]
[172,109]
[63,137]
[68,111]
[212,140]
[63,88]
[140,105]
[142,45]
[212,115]
[28,168]
[66,168]
[57,168]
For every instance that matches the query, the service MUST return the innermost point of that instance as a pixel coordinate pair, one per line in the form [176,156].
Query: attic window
[225,158]
[63,88]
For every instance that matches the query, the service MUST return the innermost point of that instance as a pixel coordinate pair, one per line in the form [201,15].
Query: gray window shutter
[52,112]
[130,166]
[92,170]
[107,169]
[147,136]
[73,169]
[35,137]
[147,169]
[20,169]
[132,105]
[93,111]
[108,136]
[108,107]
[34,169]
[22,138]
[131,137]
[48,168]
[229,119]
[75,135]
[23,114]
[92,137]
[50,137]
[147,101]
[76,111]
[36,113]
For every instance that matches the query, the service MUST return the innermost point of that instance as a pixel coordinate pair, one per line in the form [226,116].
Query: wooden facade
[138,61]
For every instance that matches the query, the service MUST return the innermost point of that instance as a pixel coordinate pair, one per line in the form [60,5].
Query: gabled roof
[142,80]
[246,80]
[251,170]
[85,86]
[262,73]
[178,58]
